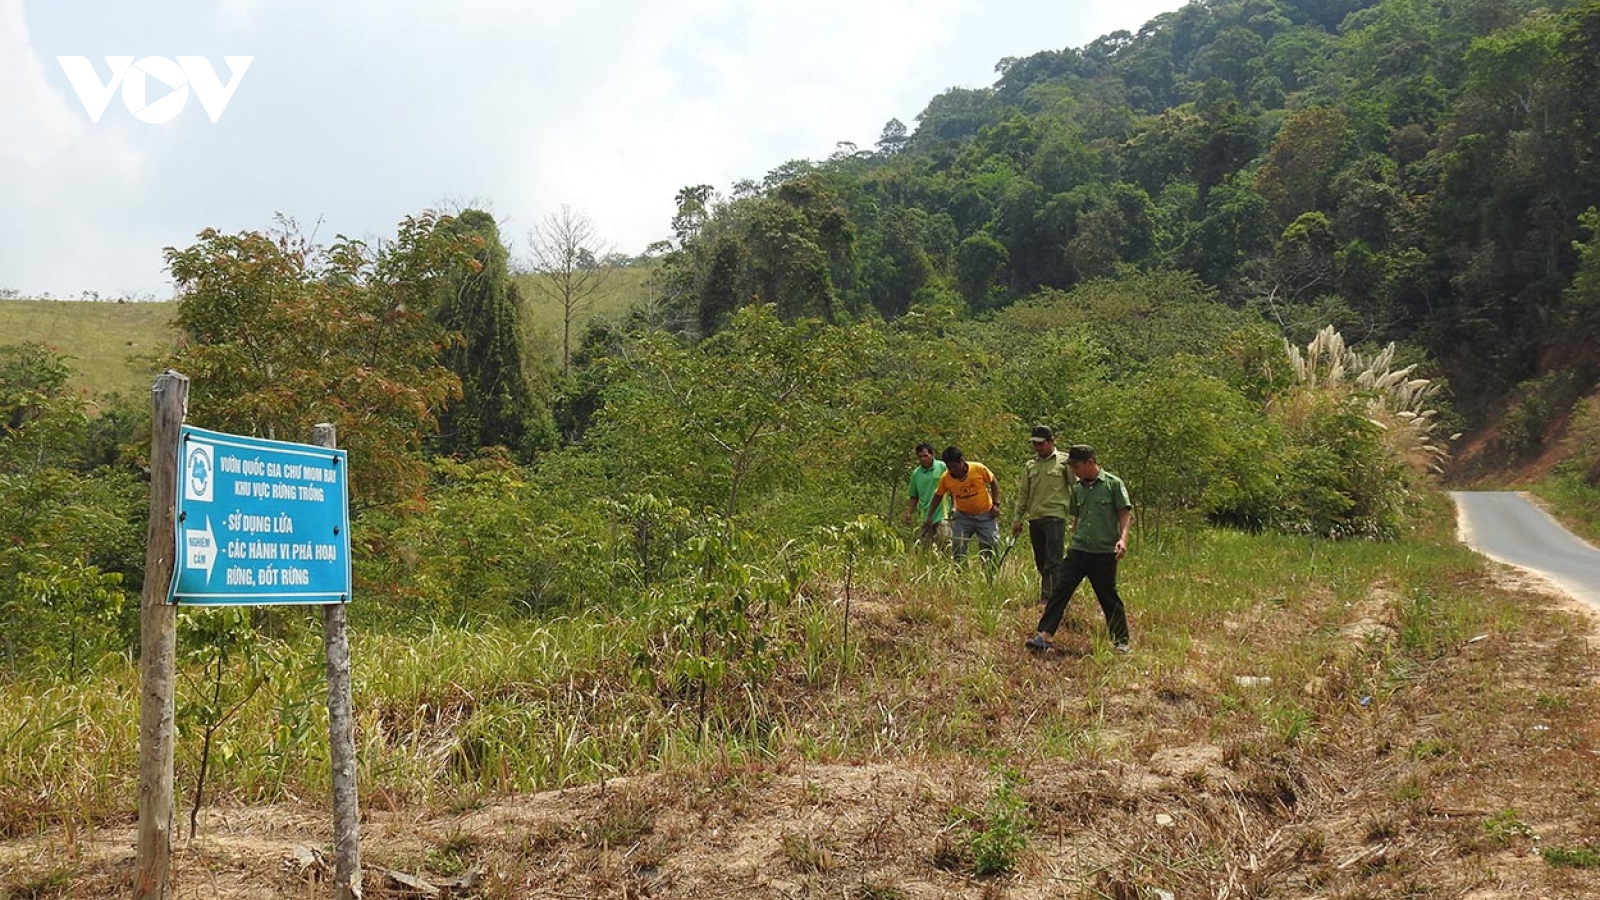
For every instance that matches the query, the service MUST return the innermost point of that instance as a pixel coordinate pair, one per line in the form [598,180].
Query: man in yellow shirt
[977,500]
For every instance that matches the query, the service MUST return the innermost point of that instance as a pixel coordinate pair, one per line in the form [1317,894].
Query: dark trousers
[1101,570]
[1049,539]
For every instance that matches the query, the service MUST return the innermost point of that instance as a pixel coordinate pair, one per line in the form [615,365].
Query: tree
[979,262]
[278,334]
[70,534]
[896,265]
[909,391]
[894,137]
[956,113]
[479,303]
[1176,429]
[725,417]
[1305,156]
[694,210]
[1582,307]
[790,244]
[566,247]
[1103,226]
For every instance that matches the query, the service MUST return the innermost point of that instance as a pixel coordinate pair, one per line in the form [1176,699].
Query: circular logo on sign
[199,473]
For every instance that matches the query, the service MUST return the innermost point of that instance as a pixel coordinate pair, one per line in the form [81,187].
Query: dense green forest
[1267,255]
[1409,170]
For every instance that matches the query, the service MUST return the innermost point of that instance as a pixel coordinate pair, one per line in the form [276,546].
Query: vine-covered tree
[479,304]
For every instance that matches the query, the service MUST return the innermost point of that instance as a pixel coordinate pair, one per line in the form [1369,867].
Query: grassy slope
[541,315]
[113,347]
[1299,718]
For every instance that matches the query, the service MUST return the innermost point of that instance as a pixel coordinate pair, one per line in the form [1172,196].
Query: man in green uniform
[1046,486]
[925,477]
[1101,514]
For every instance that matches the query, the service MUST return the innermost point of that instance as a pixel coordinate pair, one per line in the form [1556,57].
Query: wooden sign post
[341,736]
[158,629]
[313,571]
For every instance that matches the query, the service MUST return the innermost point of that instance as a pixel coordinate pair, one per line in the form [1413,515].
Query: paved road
[1506,526]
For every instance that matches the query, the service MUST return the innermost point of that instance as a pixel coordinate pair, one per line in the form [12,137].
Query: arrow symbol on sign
[200,549]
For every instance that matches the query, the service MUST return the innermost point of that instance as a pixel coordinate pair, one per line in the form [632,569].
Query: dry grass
[113,347]
[1336,721]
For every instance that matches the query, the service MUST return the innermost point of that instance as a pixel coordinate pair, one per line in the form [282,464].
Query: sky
[352,114]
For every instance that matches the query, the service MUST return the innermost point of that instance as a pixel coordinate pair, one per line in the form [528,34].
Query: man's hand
[1121,548]
[1016,528]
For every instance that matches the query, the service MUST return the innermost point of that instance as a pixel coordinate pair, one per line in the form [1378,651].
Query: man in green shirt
[925,477]
[1101,514]
[1042,503]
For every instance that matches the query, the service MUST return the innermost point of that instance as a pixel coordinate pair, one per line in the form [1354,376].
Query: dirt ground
[1449,788]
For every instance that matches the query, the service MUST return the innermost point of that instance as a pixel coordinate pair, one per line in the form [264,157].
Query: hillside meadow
[119,347]
[113,347]
[621,289]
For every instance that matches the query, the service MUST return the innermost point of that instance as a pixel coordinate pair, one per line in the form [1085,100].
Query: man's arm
[1022,503]
[938,497]
[1124,519]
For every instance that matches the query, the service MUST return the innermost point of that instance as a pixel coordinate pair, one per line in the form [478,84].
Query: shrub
[998,845]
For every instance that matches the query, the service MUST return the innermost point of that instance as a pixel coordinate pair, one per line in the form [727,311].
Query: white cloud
[718,96]
[362,111]
[237,16]
[40,124]
[63,182]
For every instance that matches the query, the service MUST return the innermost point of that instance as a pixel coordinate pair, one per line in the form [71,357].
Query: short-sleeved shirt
[1095,504]
[924,482]
[971,494]
[1046,482]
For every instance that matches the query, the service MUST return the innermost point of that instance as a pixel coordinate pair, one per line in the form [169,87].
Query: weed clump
[997,846]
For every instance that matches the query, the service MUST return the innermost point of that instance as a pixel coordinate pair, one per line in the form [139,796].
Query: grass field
[541,314]
[112,347]
[118,347]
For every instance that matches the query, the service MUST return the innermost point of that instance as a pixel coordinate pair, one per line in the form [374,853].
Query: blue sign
[260,522]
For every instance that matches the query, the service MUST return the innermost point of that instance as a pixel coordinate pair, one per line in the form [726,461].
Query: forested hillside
[1418,171]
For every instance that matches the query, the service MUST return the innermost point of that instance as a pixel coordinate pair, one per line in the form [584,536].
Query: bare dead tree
[568,258]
